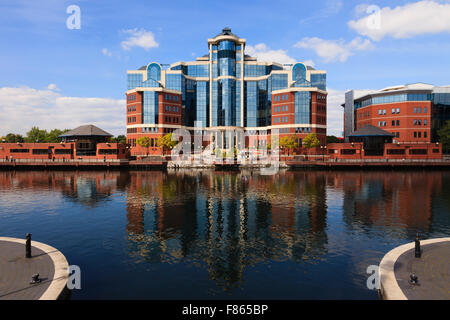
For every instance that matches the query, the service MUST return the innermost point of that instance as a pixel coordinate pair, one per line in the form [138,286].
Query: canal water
[224,235]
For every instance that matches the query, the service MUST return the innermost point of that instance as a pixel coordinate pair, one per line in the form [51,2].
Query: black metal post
[28,246]
[417,251]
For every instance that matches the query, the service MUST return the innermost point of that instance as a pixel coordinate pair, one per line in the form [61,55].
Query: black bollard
[35,279]
[413,279]
[417,251]
[28,246]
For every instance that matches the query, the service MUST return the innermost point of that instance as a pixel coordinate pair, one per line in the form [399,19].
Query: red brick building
[312,120]
[371,142]
[82,143]
[168,117]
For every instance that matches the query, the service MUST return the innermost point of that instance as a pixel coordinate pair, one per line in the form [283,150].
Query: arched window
[154,71]
[299,72]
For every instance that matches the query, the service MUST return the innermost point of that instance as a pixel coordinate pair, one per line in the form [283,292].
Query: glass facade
[394,98]
[302,107]
[319,80]
[227,58]
[202,107]
[150,107]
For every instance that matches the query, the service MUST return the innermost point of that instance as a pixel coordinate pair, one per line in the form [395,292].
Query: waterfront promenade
[16,271]
[432,270]
[285,162]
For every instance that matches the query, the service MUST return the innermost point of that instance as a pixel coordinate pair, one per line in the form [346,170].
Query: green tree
[289,143]
[36,135]
[12,138]
[53,135]
[144,142]
[311,141]
[166,142]
[444,136]
[119,139]
[332,139]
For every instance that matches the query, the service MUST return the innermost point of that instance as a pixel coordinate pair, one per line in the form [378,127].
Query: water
[224,235]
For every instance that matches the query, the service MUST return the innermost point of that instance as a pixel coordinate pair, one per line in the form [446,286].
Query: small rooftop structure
[373,139]
[227,32]
[370,131]
[86,131]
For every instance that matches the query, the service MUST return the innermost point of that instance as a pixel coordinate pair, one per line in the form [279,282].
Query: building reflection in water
[228,221]
[399,202]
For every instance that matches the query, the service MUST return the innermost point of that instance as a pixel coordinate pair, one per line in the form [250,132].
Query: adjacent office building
[223,90]
[412,113]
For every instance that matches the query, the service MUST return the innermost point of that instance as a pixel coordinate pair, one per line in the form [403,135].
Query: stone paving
[432,270]
[16,272]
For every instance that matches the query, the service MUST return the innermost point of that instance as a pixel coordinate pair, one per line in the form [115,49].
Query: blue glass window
[302,107]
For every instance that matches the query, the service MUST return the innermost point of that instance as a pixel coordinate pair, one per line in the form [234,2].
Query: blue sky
[52,76]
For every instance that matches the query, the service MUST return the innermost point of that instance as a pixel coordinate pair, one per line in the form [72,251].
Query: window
[419,110]
[384,111]
[393,122]
[398,122]
[393,110]
[415,110]
[384,123]
[424,134]
[108,151]
[398,110]
[348,151]
[425,110]
[41,151]
[415,122]
[19,150]
[379,123]
[417,151]
[396,151]
[415,134]
[379,111]
[63,151]
[419,134]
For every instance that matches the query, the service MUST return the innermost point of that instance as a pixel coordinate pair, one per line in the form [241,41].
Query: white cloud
[52,86]
[139,38]
[106,52]
[423,17]
[335,113]
[264,53]
[334,50]
[25,107]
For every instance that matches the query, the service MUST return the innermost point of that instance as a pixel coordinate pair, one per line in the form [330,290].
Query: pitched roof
[227,32]
[87,130]
[369,130]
